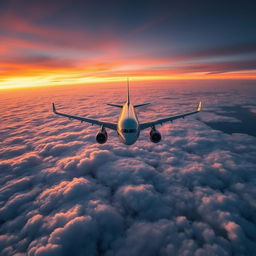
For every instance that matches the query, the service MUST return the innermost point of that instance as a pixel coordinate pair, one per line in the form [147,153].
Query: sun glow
[76,79]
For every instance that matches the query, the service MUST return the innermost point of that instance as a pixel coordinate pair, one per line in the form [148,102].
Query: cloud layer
[63,194]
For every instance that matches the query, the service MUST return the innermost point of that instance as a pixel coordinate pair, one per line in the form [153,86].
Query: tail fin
[128,91]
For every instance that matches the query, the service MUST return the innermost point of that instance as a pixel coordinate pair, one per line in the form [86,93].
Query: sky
[192,194]
[67,42]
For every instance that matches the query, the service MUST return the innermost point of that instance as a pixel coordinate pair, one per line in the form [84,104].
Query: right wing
[171,118]
[88,120]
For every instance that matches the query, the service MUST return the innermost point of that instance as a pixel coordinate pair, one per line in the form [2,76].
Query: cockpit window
[129,130]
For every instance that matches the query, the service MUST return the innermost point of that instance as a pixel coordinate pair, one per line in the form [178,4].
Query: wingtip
[53,108]
[199,107]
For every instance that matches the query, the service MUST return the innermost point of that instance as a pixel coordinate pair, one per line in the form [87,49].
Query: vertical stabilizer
[128,91]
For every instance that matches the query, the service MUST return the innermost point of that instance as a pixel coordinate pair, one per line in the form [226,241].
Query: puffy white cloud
[63,194]
[212,117]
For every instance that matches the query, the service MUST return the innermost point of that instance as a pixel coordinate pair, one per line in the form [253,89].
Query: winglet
[53,108]
[199,107]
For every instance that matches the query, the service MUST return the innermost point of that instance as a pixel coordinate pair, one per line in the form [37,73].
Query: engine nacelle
[155,135]
[102,136]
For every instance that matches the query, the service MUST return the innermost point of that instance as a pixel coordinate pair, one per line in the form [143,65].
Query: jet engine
[102,136]
[155,135]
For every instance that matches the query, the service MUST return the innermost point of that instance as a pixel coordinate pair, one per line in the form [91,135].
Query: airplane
[128,126]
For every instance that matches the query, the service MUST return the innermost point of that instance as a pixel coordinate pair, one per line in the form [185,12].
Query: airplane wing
[83,119]
[168,119]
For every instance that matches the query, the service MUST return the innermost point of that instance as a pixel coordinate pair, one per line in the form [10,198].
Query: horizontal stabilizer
[141,105]
[115,105]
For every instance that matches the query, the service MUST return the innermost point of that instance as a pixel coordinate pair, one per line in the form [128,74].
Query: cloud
[212,117]
[252,108]
[61,193]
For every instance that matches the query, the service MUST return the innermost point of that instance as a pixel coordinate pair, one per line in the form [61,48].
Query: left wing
[171,118]
[82,119]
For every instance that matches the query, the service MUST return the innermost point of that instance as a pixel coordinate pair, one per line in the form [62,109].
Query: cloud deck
[62,194]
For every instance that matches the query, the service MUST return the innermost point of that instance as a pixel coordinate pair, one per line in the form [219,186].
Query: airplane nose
[129,139]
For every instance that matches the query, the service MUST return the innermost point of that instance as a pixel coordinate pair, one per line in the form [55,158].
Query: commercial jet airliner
[128,127]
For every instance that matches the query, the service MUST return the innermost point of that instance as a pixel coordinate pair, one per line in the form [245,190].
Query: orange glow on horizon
[35,72]
[69,79]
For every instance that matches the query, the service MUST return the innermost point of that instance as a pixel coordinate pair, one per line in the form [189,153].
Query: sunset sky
[78,42]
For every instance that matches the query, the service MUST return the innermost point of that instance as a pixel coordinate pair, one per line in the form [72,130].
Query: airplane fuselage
[128,125]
